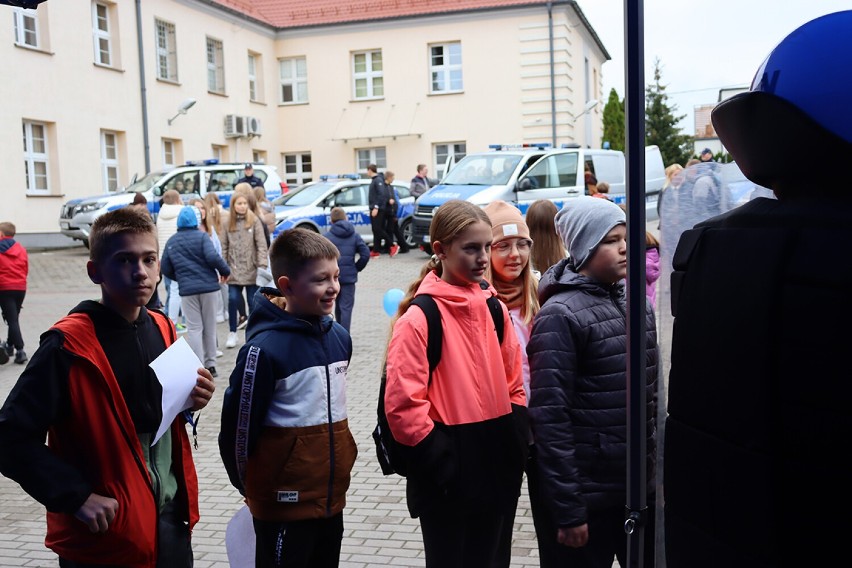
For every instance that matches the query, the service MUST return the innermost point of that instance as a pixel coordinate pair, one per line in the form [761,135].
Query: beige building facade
[80,117]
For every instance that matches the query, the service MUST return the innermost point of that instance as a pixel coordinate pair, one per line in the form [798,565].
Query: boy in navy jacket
[350,244]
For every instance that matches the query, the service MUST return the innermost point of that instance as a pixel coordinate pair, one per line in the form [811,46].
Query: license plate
[64,225]
[425,238]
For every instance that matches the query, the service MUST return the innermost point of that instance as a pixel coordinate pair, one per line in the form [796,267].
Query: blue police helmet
[800,97]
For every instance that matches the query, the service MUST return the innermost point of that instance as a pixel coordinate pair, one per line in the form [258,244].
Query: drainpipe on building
[143,88]
[552,76]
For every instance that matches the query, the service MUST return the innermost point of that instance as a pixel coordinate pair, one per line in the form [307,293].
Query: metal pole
[634,56]
[552,76]
[143,87]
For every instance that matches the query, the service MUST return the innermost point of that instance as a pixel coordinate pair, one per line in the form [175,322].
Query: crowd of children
[543,395]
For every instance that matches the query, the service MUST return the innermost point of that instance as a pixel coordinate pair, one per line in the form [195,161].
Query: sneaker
[220,318]
[180,328]
[393,250]
[404,250]
[375,253]
[243,321]
[218,353]
[20,357]
[232,340]
[213,371]
[7,347]
[4,358]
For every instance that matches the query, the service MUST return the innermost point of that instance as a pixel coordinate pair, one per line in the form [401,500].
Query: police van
[521,174]
[193,179]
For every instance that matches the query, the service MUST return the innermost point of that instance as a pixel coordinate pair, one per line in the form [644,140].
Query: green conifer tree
[661,123]
[613,121]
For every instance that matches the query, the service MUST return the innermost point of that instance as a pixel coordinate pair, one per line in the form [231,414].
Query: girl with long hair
[465,422]
[244,250]
[548,248]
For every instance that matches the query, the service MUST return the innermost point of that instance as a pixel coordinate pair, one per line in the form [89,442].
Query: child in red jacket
[14,266]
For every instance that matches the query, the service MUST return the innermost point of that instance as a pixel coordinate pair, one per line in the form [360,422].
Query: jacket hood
[269,314]
[562,276]
[7,247]
[169,211]
[450,293]
[342,229]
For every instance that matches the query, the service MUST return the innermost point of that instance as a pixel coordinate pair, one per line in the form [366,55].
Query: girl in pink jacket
[466,424]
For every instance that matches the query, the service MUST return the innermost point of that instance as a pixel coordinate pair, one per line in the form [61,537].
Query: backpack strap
[435,335]
[496,311]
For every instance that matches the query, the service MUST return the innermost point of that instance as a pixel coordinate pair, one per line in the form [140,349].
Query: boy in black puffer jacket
[578,383]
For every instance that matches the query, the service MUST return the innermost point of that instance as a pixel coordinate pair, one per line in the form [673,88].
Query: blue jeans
[344,304]
[235,292]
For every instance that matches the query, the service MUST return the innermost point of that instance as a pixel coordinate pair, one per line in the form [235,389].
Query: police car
[309,206]
[193,179]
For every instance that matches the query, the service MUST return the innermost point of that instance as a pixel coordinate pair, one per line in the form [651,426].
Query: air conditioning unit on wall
[253,126]
[235,126]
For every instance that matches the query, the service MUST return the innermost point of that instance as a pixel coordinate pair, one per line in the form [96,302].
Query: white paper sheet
[240,539]
[176,369]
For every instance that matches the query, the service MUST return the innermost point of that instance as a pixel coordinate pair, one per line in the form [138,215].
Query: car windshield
[305,195]
[146,183]
[483,169]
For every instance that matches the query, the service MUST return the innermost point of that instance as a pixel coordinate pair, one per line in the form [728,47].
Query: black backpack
[393,456]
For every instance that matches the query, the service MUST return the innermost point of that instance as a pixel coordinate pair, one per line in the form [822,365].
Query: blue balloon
[391,300]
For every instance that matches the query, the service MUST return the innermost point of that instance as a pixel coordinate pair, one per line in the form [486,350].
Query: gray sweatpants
[200,313]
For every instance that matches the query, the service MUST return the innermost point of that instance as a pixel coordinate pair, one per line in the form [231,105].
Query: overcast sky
[703,46]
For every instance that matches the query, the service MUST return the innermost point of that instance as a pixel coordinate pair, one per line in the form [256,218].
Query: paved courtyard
[378,529]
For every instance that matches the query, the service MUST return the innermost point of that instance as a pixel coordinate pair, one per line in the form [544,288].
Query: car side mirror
[158,190]
[524,184]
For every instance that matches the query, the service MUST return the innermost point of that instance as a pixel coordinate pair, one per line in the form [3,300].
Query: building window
[258,156]
[252,76]
[220,153]
[166,51]
[445,68]
[109,160]
[294,80]
[35,157]
[367,156]
[215,66]
[168,153]
[26,27]
[297,169]
[101,33]
[367,75]
[442,152]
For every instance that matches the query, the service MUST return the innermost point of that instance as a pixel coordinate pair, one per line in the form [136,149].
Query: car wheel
[308,227]
[408,234]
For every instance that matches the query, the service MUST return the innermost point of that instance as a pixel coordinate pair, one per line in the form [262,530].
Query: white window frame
[299,173]
[215,66]
[443,73]
[293,73]
[21,16]
[109,164]
[100,35]
[169,153]
[366,156]
[34,157]
[258,156]
[252,76]
[374,78]
[166,42]
[439,158]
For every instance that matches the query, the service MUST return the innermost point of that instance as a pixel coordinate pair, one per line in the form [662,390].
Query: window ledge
[366,99]
[169,81]
[443,93]
[33,48]
[256,102]
[108,67]
[294,103]
[49,195]
[218,94]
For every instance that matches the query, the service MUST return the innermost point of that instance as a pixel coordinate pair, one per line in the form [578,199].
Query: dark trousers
[344,305]
[381,239]
[392,229]
[313,543]
[173,543]
[607,538]
[235,299]
[11,302]
[454,538]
